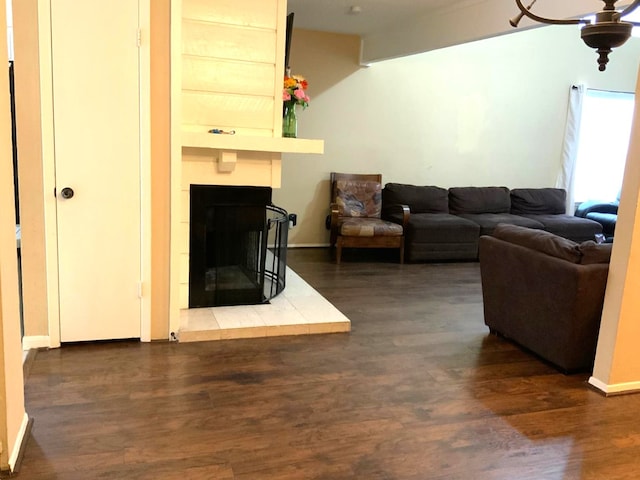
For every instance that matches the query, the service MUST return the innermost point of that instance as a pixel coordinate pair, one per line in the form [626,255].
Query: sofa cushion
[479,200]
[441,228]
[540,241]
[440,236]
[538,201]
[567,226]
[359,198]
[427,199]
[593,252]
[489,221]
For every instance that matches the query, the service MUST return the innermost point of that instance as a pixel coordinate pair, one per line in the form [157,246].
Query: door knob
[67,192]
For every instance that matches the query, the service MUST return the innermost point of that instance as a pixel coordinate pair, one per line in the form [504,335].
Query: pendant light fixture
[605,33]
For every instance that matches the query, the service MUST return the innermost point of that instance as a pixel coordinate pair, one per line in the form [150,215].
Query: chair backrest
[357,195]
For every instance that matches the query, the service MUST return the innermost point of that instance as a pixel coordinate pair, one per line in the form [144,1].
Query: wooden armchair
[356,215]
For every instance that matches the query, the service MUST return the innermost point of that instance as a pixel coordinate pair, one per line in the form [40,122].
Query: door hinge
[139,289]
[139,37]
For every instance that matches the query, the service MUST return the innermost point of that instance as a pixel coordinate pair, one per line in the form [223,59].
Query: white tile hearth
[298,310]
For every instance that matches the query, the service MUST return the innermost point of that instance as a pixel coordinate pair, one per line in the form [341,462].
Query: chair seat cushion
[369,227]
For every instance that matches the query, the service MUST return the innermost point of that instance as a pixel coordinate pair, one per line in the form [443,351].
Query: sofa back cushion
[428,199]
[539,240]
[359,198]
[479,200]
[538,201]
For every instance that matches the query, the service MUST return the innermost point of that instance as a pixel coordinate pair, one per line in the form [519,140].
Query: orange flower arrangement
[294,91]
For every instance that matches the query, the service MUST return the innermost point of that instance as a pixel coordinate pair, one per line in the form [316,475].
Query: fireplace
[237,246]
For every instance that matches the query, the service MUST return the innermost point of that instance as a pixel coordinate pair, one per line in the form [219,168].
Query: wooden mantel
[251,143]
[225,148]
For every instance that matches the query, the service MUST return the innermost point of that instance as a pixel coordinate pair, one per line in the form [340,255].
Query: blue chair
[605,213]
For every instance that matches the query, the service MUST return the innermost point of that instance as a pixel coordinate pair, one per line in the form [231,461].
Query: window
[605,127]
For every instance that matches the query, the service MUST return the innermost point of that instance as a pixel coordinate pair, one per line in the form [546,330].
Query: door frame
[49,179]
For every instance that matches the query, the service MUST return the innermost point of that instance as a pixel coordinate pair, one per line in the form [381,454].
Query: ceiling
[375,15]
[394,28]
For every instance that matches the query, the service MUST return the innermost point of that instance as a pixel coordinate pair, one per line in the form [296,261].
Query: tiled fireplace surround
[298,310]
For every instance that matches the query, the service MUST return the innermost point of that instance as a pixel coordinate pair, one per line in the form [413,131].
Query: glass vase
[289,121]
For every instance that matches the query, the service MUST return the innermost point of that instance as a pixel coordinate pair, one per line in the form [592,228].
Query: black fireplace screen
[238,245]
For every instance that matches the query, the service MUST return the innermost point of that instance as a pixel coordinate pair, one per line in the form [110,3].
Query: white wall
[490,112]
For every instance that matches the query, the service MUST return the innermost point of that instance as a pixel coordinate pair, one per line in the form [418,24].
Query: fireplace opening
[237,246]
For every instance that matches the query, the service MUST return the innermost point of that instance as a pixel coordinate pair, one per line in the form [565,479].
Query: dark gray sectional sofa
[446,224]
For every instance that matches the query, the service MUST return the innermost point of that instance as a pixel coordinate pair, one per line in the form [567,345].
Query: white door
[97,155]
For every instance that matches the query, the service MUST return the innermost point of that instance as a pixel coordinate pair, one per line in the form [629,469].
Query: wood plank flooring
[418,390]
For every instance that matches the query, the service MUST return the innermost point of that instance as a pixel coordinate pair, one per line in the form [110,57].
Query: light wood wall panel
[254,13]
[184,295]
[184,236]
[230,42]
[221,76]
[184,284]
[184,205]
[231,52]
[232,111]
[252,168]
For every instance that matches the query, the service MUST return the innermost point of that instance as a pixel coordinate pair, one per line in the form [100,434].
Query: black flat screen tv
[287,46]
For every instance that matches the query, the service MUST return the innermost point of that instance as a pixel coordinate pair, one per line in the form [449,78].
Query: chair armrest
[335,213]
[397,213]
[332,222]
[596,206]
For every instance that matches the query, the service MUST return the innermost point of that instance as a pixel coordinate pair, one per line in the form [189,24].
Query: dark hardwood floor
[417,390]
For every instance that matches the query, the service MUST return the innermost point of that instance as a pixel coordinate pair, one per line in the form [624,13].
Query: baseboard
[615,388]
[308,245]
[15,459]
[35,341]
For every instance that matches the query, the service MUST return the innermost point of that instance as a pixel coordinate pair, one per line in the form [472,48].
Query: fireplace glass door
[231,256]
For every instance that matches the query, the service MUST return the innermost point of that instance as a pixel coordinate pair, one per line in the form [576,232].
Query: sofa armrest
[397,213]
[596,206]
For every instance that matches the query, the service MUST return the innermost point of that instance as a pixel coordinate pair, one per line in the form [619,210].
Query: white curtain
[570,146]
